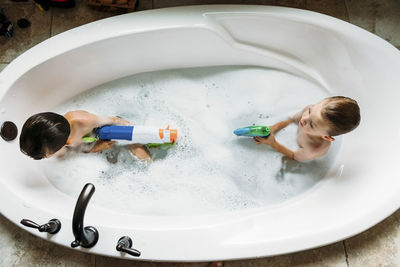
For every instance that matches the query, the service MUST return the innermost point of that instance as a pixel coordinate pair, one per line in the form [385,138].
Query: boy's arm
[271,141]
[302,154]
[101,145]
[284,150]
[280,125]
[105,120]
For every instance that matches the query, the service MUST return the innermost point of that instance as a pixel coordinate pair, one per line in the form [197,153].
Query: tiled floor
[379,246]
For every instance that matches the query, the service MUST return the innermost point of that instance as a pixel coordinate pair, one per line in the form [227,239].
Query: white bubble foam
[210,170]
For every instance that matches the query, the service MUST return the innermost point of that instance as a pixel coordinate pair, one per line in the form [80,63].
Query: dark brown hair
[43,134]
[342,114]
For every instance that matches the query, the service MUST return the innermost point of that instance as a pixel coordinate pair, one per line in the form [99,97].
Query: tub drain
[9,131]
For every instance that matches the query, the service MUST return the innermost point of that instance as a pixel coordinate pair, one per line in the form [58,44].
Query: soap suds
[210,170]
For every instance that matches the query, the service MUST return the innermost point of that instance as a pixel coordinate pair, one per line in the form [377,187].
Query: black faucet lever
[52,227]
[125,245]
[88,236]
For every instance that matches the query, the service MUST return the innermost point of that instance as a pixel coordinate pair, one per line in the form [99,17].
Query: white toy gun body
[135,134]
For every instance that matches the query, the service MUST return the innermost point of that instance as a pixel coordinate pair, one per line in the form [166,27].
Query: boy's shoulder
[319,150]
[75,113]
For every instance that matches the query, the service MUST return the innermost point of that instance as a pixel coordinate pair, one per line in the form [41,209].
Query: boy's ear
[68,141]
[328,138]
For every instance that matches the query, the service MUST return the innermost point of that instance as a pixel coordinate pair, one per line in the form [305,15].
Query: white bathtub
[361,188]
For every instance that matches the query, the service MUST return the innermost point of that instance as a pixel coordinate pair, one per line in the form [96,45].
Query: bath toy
[253,130]
[151,136]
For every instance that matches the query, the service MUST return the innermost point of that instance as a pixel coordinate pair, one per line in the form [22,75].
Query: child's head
[44,134]
[332,116]
[341,113]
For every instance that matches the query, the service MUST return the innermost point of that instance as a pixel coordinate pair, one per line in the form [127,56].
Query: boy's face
[312,122]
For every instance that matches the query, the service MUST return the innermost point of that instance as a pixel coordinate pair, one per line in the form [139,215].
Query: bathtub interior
[341,59]
[210,170]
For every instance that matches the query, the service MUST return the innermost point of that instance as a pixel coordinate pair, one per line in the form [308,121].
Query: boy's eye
[311,124]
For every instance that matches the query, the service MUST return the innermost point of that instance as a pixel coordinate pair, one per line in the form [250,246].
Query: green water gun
[255,130]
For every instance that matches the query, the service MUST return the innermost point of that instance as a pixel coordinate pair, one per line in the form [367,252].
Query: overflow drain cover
[8,131]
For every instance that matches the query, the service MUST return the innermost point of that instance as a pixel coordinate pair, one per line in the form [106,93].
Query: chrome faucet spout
[88,236]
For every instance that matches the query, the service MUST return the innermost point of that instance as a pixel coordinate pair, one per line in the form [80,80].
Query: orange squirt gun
[150,136]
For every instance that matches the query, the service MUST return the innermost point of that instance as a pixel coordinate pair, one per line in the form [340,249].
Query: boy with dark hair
[318,124]
[46,134]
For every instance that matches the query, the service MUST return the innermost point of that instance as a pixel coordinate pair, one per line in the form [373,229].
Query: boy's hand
[141,152]
[102,145]
[270,140]
[120,121]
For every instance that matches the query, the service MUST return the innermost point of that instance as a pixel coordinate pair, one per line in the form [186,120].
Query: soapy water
[210,170]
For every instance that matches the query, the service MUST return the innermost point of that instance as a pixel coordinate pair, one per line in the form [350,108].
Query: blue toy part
[241,131]
[115,132]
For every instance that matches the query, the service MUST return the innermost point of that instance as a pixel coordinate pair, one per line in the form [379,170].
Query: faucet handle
[52,227]
[125,245]
[89,238]
[75,244]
